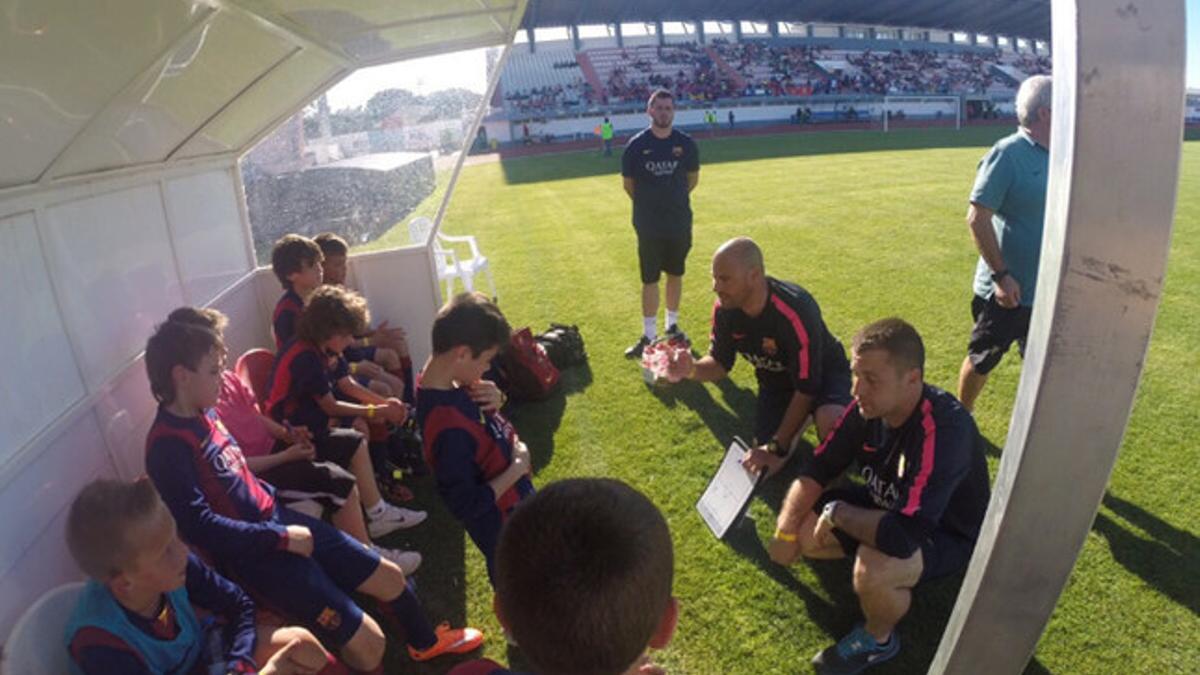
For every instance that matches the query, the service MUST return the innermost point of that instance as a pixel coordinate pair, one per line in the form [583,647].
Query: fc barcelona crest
[677,151]
[769,347]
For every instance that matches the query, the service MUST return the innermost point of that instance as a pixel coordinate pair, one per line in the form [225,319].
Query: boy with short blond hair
[296,262]
[135,616]
[300,565]
[481,466]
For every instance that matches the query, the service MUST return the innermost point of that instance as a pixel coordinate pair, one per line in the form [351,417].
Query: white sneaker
[407,561]
[393,518]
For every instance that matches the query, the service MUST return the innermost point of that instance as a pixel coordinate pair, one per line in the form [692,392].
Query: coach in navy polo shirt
[661,167]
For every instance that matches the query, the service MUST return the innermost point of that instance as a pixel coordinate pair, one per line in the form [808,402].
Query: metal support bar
[1114,169]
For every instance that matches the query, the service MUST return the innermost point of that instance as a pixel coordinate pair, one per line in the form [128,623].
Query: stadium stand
[551,79]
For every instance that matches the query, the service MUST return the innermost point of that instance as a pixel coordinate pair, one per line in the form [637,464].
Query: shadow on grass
[586,163]
[721,423]
[440,583]
[537,421]
[1167,562]
[989,448]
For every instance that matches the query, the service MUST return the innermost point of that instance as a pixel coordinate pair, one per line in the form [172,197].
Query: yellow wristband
[353,368]
[366,342]
[370,411]
[784,536]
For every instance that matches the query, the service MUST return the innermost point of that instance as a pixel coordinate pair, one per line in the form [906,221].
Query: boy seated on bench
[298,565]
[300,394]
[296,262]
[284,456]
[379,357]
[135,616]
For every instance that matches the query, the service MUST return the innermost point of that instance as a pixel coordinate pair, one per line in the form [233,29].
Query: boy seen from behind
[608,551]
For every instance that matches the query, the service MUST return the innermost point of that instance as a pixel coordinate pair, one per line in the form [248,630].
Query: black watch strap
[997,277]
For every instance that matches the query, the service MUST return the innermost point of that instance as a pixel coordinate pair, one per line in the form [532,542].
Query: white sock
[373,512]
[672,319]
[650,326]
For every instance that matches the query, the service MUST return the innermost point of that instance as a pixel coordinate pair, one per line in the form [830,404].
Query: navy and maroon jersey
[930,469]
[221,508]
[788,343]
[283,321]
[97,651]
[467,448]
[299,380]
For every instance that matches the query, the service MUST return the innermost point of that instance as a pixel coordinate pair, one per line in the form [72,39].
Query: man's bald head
[742,252]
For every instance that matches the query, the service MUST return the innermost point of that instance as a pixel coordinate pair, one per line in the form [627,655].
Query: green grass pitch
[873,225]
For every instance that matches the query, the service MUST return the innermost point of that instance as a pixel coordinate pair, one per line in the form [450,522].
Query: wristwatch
[997,277]
[828,511]
[776,448]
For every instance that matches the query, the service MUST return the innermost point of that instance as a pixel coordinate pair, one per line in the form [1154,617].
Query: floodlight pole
[1114,167]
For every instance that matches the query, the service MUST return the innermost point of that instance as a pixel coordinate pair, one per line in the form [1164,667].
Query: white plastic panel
[33,347]
[249,322]
[378,275]
[275,95]
[47,485]
[124,412]
[170,101]
[207,230]
[61,61]
[427,37]
[326,20]
[114,267]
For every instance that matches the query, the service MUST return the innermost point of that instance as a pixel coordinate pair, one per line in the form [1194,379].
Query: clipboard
[728,494]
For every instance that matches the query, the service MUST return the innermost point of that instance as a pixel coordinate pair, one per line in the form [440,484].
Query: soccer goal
[904,111]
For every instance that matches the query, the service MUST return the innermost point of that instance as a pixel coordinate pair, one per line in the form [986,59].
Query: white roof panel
[86,87]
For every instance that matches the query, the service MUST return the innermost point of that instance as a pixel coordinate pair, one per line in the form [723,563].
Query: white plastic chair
[449,265]
[35,646]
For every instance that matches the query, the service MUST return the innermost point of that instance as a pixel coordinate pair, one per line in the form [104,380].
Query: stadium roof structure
[1023,18]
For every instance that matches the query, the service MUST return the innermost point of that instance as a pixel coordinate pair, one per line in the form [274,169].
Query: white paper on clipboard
[725,498]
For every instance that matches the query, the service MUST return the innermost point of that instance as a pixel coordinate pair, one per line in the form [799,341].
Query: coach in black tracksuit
[660,167]
[923,494]
[777,326]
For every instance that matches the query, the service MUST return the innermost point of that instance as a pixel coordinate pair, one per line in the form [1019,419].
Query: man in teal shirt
[1008,203]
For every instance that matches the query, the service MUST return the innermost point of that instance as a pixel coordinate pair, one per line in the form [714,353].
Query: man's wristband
[353,368]
[997,277]
[370,411]
[784,536]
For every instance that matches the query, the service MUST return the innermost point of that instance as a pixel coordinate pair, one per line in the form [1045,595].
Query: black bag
[564,345]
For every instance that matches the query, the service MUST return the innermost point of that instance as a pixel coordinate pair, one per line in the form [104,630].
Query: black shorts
[657,254]
[314,590]
[323,482]
[336,445]
[773,403]
[996,328]
[942,553]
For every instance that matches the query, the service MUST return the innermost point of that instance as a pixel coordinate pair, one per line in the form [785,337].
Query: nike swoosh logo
[646,152]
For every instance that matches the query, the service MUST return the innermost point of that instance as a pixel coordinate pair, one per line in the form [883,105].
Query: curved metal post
[1114,169]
